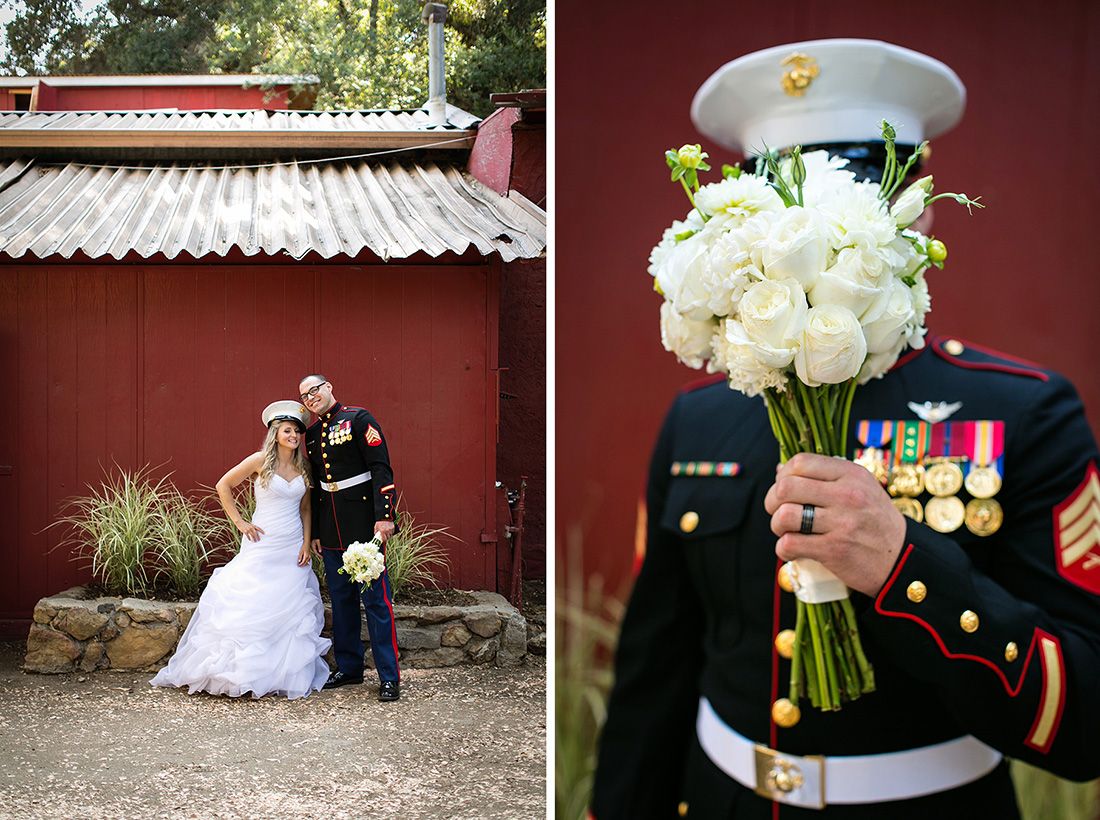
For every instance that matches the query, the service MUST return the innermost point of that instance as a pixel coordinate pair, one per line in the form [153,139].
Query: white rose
[878,364]
[854,281]
[890,318]
[689,339]
[910,204]
[796,247]
[681,275]
[736,355]
[773,315]
[832,348]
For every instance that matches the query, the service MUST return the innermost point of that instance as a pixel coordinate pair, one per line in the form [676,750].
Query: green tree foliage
[367,53]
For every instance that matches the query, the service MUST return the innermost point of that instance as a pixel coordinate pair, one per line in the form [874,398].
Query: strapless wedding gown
[258,624]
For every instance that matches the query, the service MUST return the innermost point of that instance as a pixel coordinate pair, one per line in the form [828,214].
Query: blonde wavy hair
[271,457]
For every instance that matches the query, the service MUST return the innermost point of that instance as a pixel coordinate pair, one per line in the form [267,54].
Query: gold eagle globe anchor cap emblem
[802,70]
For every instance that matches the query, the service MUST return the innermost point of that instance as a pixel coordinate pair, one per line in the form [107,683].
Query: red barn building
[165,275]
[144,91]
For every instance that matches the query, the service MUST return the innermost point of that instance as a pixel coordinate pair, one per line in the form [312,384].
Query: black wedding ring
[807,527]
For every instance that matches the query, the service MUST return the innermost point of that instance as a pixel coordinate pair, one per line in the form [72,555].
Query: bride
[258,623]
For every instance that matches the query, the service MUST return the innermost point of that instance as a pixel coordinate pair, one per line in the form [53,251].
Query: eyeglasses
[309,394]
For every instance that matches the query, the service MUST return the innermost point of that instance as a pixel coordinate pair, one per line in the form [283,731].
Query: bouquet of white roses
[364,562]
[799,283]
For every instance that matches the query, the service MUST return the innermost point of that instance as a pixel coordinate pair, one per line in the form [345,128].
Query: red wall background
[124,98]
[146,364]
[1022,275]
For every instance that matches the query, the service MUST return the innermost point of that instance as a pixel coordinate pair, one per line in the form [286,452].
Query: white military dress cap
[827,91]
[289,410]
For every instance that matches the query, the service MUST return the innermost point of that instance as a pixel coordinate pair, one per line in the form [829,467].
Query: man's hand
[316,545]
[857,532]
[383,528]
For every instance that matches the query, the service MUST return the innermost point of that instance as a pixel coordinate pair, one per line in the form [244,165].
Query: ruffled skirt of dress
[253,632]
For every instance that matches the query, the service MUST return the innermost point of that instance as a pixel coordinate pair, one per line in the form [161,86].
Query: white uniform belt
[815,781]
[344,483]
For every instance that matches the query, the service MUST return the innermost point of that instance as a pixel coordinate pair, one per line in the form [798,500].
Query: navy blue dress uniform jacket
[343,443]
[706,607]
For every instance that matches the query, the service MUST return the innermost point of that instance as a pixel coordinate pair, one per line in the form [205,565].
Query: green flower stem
[866,672]
[825,690]
[849,396]
[796,655]
[822,613]
[811,412]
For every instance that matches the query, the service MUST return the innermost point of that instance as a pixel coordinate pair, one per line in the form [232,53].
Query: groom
[353,499]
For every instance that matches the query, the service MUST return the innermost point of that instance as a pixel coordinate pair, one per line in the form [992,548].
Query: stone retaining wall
[72,631]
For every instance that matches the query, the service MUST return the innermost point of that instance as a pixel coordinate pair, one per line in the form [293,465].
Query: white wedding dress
[258,624]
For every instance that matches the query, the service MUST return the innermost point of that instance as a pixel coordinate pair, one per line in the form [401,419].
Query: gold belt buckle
[781,777]
[331,487]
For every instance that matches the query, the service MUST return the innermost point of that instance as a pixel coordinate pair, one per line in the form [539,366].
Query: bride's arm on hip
[303,553]
[225,486]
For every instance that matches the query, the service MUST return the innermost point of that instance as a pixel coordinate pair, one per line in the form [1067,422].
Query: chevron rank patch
[373,437]
[1077,534]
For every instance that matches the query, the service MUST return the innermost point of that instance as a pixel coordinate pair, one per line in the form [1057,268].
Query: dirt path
[465,742]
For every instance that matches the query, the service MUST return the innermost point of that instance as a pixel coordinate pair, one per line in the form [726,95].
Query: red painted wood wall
[127,98]
[1022,276]
[144,364]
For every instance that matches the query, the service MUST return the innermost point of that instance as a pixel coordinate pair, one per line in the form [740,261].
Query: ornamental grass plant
[141,536]
[112,530]
[587,620]
[186,536]
[415,555]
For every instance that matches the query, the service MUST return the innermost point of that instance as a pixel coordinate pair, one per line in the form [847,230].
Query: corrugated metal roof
[394,209]
[399,120]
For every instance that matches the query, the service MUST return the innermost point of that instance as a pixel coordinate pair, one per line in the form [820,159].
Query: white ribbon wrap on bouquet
[813,584]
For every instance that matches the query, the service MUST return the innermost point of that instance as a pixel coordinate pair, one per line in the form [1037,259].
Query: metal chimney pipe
[436,14]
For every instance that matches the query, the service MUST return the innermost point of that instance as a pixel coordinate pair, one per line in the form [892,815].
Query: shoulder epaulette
[976,357]
[699,384]
[353,408]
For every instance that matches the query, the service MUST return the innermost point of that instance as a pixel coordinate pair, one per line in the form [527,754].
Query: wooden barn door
[171,365]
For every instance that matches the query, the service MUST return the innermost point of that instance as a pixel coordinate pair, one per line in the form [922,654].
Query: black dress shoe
[389,690]
[341,679]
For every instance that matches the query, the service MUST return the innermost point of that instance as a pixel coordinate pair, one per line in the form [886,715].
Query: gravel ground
[464,742]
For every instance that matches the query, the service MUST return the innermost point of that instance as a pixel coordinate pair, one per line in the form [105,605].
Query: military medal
[984,516]
[874,460]
[874,435]
[943,479]
[984,444]
[911,440]
[944,514]
[909,507]
[983,481]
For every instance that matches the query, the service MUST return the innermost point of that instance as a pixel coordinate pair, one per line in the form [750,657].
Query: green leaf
[731,171]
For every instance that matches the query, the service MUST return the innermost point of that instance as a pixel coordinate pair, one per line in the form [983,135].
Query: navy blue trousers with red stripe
[347,626]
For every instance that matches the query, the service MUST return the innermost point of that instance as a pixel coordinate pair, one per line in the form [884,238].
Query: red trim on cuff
[1012,691]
